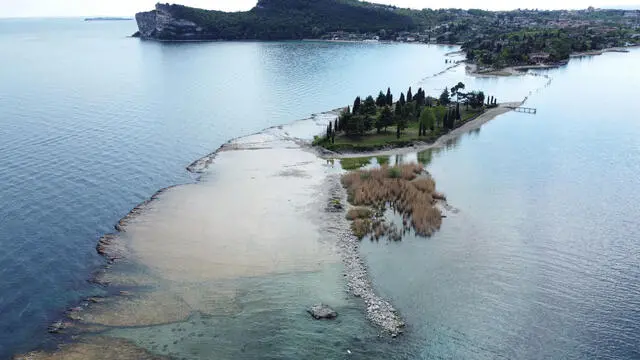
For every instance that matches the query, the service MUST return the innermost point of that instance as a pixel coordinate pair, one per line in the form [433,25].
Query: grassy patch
[354,163]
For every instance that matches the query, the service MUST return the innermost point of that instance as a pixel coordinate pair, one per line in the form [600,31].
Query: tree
[409,95]
[408,110]
[398,110]
[385,119]
[369,106]
[356,105]
[427,119]
[458,111]
[381,100]
[368,122]
[335,128]
[342,119]
[444,97]
[329,130]
[389,97]
[419,98]
[402,101]
[455,90]
[476,99]
[354,125]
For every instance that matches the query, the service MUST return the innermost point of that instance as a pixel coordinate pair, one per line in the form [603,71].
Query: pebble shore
[379,311]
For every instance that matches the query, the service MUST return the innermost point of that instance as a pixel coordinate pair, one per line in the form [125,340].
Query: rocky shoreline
[378,311]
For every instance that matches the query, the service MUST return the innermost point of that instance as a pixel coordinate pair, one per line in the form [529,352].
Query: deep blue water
[92,123]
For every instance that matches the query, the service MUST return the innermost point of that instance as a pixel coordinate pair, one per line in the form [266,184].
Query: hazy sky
[41,8]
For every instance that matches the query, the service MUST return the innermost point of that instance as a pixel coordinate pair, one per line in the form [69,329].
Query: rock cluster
[379,311]
[322,311]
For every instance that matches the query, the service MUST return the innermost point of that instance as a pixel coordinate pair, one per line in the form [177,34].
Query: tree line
[429,113]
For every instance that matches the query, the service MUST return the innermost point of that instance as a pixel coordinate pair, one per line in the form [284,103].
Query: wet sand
[255,219]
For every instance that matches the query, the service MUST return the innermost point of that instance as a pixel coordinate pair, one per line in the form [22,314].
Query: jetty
[523,109]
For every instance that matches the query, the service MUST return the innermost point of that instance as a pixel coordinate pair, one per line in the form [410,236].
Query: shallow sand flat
[251,215]
[95,348]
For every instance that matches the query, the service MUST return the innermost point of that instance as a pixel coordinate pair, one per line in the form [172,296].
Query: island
[491,40]
[382,123]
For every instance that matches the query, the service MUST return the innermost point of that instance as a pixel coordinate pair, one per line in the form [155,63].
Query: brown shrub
[361,227]
[401,187]
[359,213]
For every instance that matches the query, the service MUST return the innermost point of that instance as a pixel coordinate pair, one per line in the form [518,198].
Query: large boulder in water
[322,311]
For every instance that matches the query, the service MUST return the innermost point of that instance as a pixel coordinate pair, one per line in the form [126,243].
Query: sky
[57,8]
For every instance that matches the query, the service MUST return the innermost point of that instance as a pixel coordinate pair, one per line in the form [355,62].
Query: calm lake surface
[541,261]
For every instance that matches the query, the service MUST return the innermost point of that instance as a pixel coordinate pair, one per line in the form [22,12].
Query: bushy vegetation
[401,187]
[539,46]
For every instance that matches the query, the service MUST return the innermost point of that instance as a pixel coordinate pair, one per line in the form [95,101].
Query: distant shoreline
[472,68]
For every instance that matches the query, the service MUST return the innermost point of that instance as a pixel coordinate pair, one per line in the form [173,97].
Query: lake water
[541,261]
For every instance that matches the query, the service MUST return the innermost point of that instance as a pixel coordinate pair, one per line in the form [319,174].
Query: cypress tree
[409,95]
[356,105]
[458,111]
[389,97]
[335,127]
[402,101]
[398,130]
[381,100]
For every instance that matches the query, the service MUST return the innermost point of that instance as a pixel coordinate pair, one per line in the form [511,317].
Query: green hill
[272,20]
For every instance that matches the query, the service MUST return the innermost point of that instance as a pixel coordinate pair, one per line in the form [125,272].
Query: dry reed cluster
[400,187]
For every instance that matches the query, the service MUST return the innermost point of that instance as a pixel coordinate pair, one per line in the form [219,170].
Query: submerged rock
[322,311]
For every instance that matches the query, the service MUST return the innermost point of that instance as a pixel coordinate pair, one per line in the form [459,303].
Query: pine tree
[409,95]
[389,97]
[458,111]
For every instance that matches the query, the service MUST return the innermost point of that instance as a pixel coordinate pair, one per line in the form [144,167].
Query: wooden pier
[524,109]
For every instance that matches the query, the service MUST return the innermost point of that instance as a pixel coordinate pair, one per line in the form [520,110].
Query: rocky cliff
[162,23]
